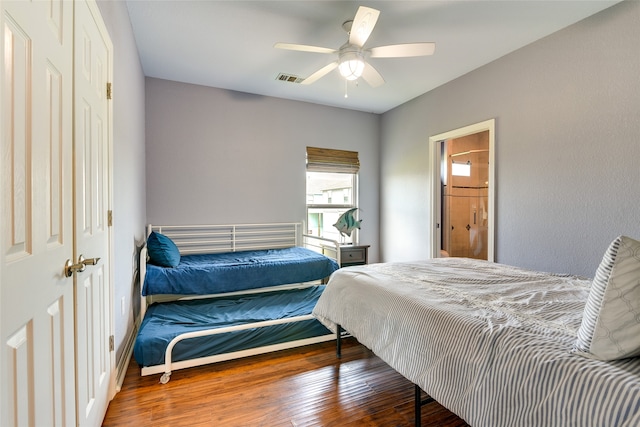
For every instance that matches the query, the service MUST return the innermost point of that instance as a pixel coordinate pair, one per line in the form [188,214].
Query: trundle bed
[218,292]
[499,345]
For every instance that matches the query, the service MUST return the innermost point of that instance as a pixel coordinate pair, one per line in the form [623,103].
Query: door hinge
[109,91]
[111,343]
[110,218]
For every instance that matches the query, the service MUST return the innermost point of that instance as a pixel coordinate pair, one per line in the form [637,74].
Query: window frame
[329,161]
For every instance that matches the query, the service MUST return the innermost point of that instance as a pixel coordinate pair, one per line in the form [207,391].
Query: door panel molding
[17,145]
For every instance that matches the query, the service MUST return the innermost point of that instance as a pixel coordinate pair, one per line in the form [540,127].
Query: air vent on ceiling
[289,78]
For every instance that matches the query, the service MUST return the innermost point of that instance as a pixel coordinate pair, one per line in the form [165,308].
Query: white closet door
[95,362]
[36,210]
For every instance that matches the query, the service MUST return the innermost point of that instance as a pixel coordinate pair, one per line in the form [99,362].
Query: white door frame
[436,182]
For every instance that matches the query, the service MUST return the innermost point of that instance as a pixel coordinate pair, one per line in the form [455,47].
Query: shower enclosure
[465,196]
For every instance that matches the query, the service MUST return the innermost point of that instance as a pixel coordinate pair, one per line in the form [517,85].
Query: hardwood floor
[306,386]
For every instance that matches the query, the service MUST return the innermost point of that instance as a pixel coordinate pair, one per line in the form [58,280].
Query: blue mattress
[236,271]
[165,321]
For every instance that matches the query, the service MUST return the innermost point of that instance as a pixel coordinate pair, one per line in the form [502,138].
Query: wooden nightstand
[354,255]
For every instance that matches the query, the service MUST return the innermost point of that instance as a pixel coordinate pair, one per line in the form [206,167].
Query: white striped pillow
[610,328]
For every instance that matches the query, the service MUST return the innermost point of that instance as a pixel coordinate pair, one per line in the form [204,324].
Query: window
[461,169]
[332,177]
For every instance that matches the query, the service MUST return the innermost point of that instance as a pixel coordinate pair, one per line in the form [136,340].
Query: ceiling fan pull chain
[346,87]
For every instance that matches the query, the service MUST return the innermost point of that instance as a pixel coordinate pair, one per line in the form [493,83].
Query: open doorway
[462,192]
[464,175]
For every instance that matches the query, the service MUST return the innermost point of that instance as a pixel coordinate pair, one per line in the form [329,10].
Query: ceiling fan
[352,55]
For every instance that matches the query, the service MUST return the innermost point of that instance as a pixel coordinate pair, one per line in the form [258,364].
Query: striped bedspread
[492,343]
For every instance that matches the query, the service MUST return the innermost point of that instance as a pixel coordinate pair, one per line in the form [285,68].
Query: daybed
[499,345]
[218,292]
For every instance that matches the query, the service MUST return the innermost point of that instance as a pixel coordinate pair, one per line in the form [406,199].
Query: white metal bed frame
[195,239]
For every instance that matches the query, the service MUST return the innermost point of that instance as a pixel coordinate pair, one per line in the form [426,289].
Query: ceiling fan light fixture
[351,65]
[351,56]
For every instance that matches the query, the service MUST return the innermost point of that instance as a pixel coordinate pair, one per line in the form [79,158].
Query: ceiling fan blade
[320,73]
[362,25]
[403,50]
[372,76]
[304,48]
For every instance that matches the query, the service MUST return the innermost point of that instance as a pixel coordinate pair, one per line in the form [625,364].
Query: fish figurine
[347,223]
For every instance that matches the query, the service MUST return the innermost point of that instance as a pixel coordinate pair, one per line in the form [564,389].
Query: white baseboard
[123,363]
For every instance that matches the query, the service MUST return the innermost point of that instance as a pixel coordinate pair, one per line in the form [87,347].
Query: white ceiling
[229,44]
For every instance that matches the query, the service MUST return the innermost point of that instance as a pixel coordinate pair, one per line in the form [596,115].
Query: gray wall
[128,167]
[217,157]
[567,112]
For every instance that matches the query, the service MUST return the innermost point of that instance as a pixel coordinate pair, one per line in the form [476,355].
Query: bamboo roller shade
[330,160]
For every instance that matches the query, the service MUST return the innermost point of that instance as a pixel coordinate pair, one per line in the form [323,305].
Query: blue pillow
[162,251]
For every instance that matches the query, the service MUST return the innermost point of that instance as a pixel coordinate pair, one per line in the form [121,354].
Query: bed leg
[418,403]
[417,406]
[338,341]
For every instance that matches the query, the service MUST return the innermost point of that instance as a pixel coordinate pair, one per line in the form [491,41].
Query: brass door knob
[70,267]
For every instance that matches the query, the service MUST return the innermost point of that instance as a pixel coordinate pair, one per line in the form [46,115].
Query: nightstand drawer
[353,255]
[349,254]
